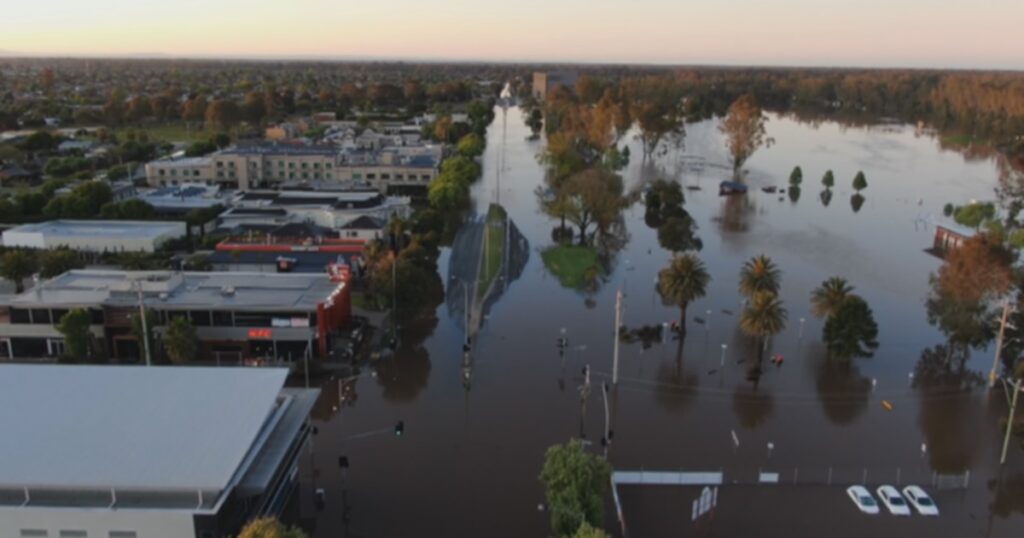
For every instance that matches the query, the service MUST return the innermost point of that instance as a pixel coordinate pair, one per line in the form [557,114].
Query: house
[544,83]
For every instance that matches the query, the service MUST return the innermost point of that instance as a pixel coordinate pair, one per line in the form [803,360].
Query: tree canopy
[575,484]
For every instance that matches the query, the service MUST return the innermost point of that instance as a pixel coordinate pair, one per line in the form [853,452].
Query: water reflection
[677,385]
[736,213]
[856,202]
[949,412]
[479,273]
[842,391]
[752,407]
[1007,495]
[403,375]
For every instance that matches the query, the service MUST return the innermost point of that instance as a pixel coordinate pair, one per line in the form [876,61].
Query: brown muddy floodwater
[475,434]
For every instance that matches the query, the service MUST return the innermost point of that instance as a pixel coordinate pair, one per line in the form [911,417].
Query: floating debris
[727,312]
[771,189]
[698,319]
[887,405]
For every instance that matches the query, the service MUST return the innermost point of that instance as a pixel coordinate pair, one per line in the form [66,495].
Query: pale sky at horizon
[979,34]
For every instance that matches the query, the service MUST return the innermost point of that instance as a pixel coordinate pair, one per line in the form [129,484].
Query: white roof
[128,427]
[102,228]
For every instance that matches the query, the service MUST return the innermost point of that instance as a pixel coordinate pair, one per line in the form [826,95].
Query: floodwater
[476,430]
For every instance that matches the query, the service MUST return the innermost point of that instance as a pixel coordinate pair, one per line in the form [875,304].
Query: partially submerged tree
[763,318]
[744,129]
[684,280]
[575,484]
[759,274]
[829,296]
[850,330]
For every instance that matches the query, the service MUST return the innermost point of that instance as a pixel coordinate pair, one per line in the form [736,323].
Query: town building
[293,247]
[269,165]
[329,209]
[178,200]
[237,315]
[95,235]
[545,82]
[147,452]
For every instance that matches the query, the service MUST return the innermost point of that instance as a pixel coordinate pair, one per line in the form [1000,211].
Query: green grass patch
[575,266]
[170,132]
[959,139]
[494,248]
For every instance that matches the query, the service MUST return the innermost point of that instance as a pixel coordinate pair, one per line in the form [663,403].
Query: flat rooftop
[181,290]
[136,428]
[101,228]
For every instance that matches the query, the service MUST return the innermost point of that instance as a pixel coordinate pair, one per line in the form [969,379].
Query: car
[892,500]
[863,499]
[921,501]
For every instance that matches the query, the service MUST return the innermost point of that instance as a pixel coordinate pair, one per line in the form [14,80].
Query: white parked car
[921,501]
[892,500]
[863,499]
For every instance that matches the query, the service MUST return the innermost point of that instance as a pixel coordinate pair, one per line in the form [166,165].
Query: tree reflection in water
[751,406]
[1007,495]
[736,213]
[949,411]
[403,375]
[842,391]
[677,386]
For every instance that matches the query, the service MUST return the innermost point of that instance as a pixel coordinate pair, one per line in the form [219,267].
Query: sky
[972,34]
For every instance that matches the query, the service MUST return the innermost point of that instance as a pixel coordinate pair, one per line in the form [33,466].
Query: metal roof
[102,228]
[170,290]
[136,428]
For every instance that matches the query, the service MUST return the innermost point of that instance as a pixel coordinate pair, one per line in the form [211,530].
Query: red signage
[261,334]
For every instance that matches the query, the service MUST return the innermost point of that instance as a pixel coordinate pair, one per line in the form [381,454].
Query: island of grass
[575,266]
[494,248]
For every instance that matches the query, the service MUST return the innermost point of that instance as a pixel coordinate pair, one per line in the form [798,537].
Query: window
[371,176]
[200,318]
[41,316]
[327,166]
[280,164]
[220,164]
[231,164]
[425,177]
[305,175]
[20,315]
[385,176]
[399,177]
[58,313]
[160,171]
[329,175]
[305,165]
[174,172]
[33,532]
[291,165]
[357,175]
[97,316]
[316,165]
[222,319]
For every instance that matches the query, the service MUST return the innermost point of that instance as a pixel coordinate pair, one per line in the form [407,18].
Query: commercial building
[238,316]
[270,165]
[95,235]
[135,452]
[545,82]
[329,209]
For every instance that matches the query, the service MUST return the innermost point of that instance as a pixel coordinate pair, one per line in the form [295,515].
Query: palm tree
[825,299]
[684,280]
[762,318]
[759,274]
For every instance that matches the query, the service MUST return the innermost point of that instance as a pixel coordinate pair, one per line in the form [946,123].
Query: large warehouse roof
[102,228]
[137,428]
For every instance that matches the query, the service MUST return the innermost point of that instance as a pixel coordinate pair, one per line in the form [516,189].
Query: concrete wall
[97,522]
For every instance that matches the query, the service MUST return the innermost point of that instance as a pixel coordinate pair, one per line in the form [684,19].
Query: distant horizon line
[329,58]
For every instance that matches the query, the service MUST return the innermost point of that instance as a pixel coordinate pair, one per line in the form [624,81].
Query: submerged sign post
[707,501]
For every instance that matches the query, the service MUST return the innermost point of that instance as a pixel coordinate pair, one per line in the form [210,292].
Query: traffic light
[399,428]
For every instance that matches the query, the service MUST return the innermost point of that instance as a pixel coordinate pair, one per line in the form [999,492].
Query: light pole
[707,320]
[1009,421]
[618,323]
[142,321]
[999,344]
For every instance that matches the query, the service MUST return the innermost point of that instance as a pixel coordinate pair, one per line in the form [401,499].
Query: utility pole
[999,345]
[142,320]
[607,422]
[618,323]
[1009,422]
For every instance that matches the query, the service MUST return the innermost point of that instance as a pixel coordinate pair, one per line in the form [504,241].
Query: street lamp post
[999,344]
[142,321]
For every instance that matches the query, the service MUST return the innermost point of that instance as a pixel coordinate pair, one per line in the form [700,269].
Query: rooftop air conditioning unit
[163,296]
[227,291]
